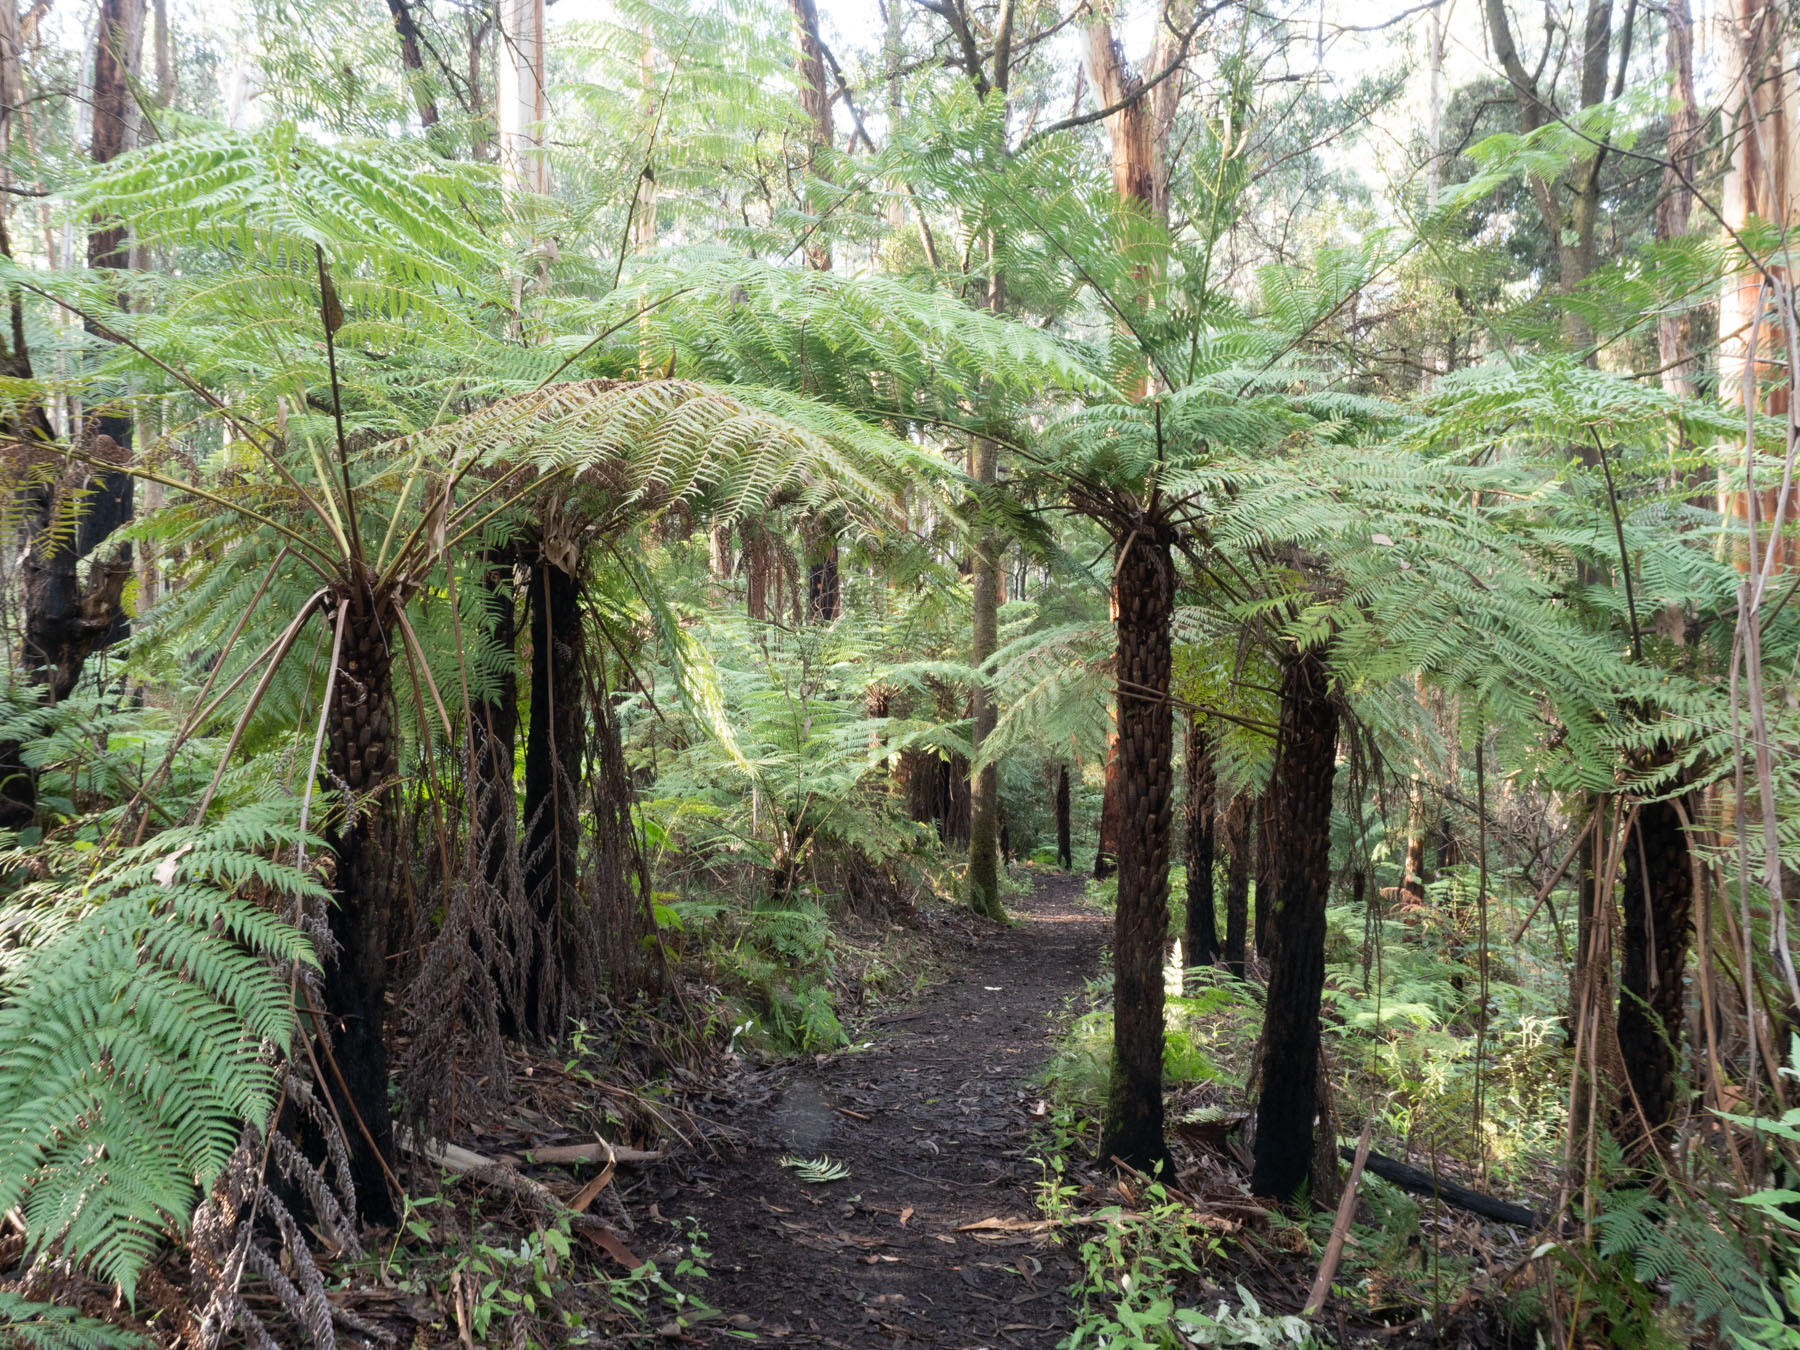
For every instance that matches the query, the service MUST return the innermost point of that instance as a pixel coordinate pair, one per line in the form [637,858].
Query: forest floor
[934,1238]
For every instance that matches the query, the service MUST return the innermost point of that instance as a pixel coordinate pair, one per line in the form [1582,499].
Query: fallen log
[564,1154]
[1421,1183]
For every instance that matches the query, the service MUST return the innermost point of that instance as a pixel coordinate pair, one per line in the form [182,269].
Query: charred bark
[1659,901]
[1240,820]
[1065,857]
[364,765]
[1144,583]
[1265,873]
[1299,827]
[1106,853]
[629,947]
[493,750]
[1201,944]
[555,748]
[822,601]
[984,813]
[107,498]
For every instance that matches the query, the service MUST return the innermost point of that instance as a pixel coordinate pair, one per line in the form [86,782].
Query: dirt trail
[877,1259]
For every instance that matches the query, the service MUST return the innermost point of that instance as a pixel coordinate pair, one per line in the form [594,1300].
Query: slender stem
[337,400]
[1612,499]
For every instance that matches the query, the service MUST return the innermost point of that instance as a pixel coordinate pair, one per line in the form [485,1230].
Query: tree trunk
[815,103]
[1265,866]
[1299,804]
[984,872]
[822,601]
[1413,878]
[66,621]
[364,756]
[28,424]
[1201,945]
[1240,821]
[412,60]
[555,747]
[1144,582]
[1674,340]
[493,742]
[953,807]
[629,946]
[523,105]
[1659,899]
[1065,857]
[1106,852]
[1760,103]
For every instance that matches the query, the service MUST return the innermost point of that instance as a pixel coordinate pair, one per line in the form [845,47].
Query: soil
[934,1121]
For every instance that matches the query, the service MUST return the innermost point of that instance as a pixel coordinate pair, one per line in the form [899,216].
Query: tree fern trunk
[1299,803]
[1659,899]
[628,941]
[1201,944]
[984,816]
[1065,857]
[822,605]
[555,746]
[1106,852]
[364,758]
[1144,582]
[493,741]
[1240,819]
[1265,873]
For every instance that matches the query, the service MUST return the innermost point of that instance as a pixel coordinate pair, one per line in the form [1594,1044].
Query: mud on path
[934,1123]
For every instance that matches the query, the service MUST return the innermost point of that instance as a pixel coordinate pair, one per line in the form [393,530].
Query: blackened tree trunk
[1144,582]
[1659,900]
[494,719]
[984,630]
[1201,945]
[65,620]
[363,758]
[822,604]
[119,45]
[918,778]
[493,742]
[1240,819]
[555,748]
[1065,857]
[1299,828]
[1106,853]
[954,806]
[629,946]
[1265,872]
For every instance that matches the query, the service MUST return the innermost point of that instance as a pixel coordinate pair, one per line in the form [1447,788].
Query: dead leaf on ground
[905,1214]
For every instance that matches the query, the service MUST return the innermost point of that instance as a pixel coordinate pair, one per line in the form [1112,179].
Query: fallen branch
[487,1172]
[1340,1228]
[1421,1183]
[564,1154]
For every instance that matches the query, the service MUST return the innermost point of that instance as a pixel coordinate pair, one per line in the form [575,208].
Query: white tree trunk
[523,106]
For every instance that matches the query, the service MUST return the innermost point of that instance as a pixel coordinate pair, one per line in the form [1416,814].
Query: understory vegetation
[567,563]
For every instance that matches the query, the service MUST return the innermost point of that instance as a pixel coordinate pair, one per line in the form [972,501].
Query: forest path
[940,1138]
